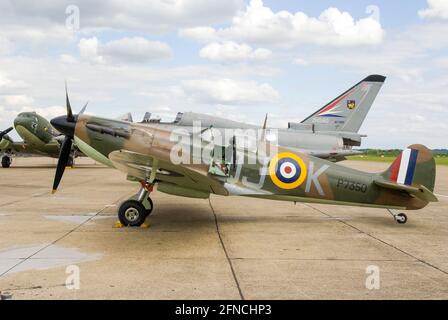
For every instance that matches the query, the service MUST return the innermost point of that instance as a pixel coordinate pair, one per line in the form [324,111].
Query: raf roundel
[287,170]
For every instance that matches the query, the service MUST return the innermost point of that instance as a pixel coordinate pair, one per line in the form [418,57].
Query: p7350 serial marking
[351,185]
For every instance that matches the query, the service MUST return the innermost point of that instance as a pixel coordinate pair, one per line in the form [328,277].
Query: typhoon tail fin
[348,111]
[414,167]
[146,117]
[126,117]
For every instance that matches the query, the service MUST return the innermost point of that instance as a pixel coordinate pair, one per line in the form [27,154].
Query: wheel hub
[131,214]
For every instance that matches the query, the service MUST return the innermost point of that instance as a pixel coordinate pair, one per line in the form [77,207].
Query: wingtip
[53,191]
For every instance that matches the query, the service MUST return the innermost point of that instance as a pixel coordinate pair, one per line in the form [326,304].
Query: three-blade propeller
[66,125]
[2,133]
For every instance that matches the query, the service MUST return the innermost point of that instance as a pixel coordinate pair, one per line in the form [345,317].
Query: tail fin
[146,117]
[126,117]
[348,111]
[414,166]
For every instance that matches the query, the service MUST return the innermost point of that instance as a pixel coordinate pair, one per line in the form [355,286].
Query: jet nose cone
[63,125]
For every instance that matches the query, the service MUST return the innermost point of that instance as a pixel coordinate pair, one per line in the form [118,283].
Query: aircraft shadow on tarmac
[169,216]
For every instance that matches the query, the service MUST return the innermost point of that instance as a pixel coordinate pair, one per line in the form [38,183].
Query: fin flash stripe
[404,167]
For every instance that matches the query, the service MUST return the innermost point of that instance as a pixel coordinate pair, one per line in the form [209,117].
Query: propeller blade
[265,121]
[67,103]
[64,155]
[84,108]
[263,133]
[2,133]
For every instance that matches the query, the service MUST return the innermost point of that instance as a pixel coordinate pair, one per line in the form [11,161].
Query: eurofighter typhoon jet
[329,133]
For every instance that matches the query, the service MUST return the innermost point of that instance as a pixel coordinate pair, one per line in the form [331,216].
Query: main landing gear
[134,211]
[6,161]
[399,217]
[71,161]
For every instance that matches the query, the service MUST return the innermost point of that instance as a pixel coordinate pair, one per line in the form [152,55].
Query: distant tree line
[396,152]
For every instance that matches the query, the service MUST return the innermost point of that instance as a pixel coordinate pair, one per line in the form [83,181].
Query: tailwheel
[401,218]
[132,213]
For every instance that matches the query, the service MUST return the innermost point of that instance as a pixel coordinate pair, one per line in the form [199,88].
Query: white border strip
[404,166]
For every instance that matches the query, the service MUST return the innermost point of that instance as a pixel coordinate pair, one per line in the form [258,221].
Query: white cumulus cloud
[259,24]
[18,100]
[230,51]
[128,50]
[88,50]
[436,9]
[200,34]
[141,15]
[46,112]
[228,91]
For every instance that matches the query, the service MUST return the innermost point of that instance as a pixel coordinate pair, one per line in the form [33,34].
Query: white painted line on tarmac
[441,195]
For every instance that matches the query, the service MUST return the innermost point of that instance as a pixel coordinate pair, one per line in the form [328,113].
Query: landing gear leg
[133,212]
[143,196]
[71,162]
[399,217]
[6,161]
[71,159]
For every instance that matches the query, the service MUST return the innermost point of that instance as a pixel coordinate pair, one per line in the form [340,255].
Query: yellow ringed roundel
[287,170]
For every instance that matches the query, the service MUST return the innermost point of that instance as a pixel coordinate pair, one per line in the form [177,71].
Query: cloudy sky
[233,58]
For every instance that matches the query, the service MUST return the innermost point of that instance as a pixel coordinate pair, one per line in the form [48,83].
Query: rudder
[414,166]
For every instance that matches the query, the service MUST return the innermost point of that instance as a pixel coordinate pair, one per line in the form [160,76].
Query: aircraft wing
[171,178]
[22,148]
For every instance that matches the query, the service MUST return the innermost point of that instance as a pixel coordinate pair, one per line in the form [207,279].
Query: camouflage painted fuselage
[37,134]
[135,149]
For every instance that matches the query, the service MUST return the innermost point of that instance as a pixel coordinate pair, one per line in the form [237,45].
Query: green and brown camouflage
[145,153]
[37,133]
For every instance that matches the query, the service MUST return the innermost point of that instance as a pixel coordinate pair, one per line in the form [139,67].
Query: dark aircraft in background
[39,138]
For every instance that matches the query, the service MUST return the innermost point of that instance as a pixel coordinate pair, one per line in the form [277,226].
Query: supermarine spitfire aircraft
[39,138]
[149,155]
[329,133]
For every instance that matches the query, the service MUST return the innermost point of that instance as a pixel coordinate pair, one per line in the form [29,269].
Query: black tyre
[149,210]
[6,162]
[401,218]
[132,213]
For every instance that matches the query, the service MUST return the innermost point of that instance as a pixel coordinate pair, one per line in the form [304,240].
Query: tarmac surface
[222,248]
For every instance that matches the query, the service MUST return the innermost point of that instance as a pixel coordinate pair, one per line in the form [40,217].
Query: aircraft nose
[18,121]
[62,124]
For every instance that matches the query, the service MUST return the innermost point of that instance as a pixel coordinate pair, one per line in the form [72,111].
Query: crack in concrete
[382,241]
[55,241]
[35,195]
[225,251]
[35,287]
